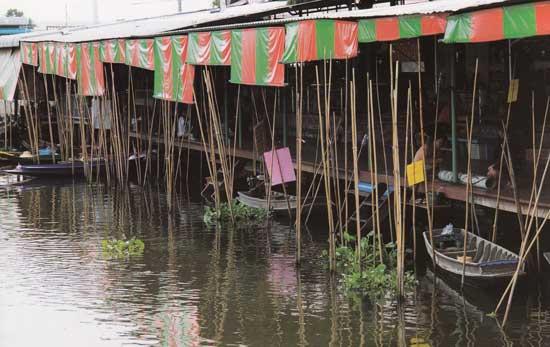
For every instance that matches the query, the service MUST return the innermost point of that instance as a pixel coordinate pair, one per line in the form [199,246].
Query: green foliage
[244,215]
[492,314]
[215,3]
[13,12]
[122,248]
[375,279]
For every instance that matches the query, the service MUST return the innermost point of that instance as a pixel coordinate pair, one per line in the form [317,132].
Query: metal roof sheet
[8,41]
[157,25]
[435,6]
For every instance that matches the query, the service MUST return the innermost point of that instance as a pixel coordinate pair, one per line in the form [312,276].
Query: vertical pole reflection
[300,305]
[334,335]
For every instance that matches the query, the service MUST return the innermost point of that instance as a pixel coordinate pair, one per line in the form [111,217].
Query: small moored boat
[75,169]
[44,156]
[277,203]
[484,260]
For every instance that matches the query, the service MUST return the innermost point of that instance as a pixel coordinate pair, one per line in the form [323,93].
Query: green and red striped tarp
[494,24]
[405,27]
[209,48]
[29,53]
[46,51]
[112,51]
[10,65]
[89,69]
[65,60]
[255,56]
[173,78]
[320,39]
[140,53]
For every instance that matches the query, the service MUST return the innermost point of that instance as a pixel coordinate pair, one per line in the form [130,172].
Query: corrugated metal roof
[157,25]
[9,41]
[436,6]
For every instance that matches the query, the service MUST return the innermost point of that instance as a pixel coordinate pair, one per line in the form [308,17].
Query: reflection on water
[198,286]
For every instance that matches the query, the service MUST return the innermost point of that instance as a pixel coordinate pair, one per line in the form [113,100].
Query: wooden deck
[486,198]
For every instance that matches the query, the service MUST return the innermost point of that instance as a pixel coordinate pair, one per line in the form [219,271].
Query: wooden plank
[450,191]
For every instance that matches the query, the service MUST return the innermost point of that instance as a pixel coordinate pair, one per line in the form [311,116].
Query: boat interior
[480,251]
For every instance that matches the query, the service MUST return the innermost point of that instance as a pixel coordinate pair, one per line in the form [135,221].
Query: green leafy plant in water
[244,215]
[122,248]
[377,280]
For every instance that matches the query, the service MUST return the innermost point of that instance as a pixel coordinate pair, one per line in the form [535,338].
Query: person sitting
[426,152]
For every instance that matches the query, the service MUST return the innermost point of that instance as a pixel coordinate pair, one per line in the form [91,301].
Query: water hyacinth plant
[243,215]
[375,279]
[122,248]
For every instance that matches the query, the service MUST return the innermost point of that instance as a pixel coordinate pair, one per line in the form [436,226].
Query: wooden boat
[277,203]
[484,259]
[75,169]
[15,157]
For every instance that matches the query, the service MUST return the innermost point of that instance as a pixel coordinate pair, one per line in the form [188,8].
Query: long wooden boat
[277,203]
[484,260]
[15,157]
[65,169]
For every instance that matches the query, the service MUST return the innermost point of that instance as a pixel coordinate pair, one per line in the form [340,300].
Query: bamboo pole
[298,224]
[370,113]
[326,176]
[52,144]
[469,131]
[382,137]
[355,170]
[524,252]
[421,117]
[394,83]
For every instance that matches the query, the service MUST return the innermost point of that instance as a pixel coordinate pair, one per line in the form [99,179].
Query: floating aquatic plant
[122,248]
[244,215]
[377,280]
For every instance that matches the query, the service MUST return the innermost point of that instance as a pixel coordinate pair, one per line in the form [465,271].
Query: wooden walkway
[482,197]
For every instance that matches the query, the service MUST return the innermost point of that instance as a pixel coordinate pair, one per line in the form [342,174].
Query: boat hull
[489,264]
[53,170]
[278,204]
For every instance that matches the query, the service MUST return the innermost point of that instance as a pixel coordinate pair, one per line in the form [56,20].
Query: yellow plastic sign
[415,173]
[513,91]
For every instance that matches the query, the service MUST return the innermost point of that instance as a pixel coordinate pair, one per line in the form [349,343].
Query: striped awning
[10,65]
[209,48]
[312,40]
[173,77]
[140,53]
[65,60]
[406,27]
[112,51]
[509,22]
[91,81]
[46,53]
[255,56]
[29,53]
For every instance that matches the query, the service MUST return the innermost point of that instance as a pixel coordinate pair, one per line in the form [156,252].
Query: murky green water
[198,286]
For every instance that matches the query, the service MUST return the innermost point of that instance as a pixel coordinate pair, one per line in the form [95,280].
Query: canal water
[196,286]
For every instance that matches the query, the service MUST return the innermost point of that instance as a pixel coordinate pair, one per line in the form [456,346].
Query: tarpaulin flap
[46,52]
[140,53]
[406,27]
[10,65]
[173,77]
[65,60]
[90,77]
[112,51]
[255,56]
[312,40]
[209,48]
[29,53]
[510,22]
